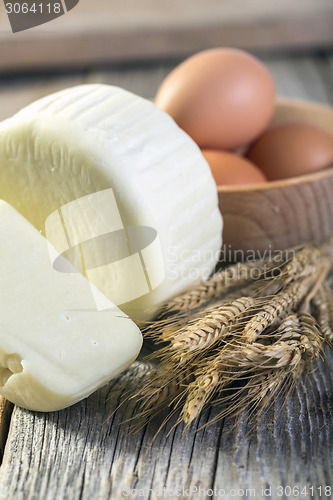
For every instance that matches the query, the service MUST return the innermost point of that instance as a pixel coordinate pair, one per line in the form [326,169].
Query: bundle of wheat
[241,337]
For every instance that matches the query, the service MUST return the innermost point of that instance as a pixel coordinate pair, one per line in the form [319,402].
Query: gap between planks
[6,410]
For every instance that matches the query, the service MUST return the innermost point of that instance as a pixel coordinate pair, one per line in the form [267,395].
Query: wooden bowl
[279,214]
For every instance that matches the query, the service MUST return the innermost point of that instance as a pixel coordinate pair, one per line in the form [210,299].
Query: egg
[292,149]
[229,169]
[223,98]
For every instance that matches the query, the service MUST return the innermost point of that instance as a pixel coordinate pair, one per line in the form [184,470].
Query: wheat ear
[235,276]
[210,329]
[323,311]
[308,260]
[267,367]
[280,305]
[161,389]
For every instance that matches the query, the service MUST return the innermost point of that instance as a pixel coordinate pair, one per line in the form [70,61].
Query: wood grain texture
[113,30]
[276,215]
[297,76]
[6,409]
[303,77]
[260,220]
[81,453]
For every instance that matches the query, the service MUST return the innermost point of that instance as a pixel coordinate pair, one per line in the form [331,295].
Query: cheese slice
[116,186]
[55,346]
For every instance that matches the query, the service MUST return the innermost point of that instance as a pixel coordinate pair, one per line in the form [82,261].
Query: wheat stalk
[235,276]
[213,327]
[277,307]
[250,324]
[323,311]
[288,326]
[199,392]
[306,261]
[267,366]
[162,389]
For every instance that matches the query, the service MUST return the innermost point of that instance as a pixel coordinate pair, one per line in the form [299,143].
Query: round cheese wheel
[118,189]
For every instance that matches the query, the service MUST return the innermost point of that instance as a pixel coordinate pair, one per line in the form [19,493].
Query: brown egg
[229,169]
[289,150]
[223,98]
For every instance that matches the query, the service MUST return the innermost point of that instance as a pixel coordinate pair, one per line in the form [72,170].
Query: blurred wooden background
[102,31]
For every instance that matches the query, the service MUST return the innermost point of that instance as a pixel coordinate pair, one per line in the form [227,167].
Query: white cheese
[55,347]
[155,231]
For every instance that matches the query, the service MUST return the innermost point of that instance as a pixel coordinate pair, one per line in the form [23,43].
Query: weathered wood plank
[302,77]
[6,409]
[104,30]
[81,452]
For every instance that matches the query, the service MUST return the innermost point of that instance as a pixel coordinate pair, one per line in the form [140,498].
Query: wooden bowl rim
[291,181]
[303,103]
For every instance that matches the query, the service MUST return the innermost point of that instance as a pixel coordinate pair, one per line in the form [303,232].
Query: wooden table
[131,30]
[89,452]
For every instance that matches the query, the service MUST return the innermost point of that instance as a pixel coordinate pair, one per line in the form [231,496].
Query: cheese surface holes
[55,346]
